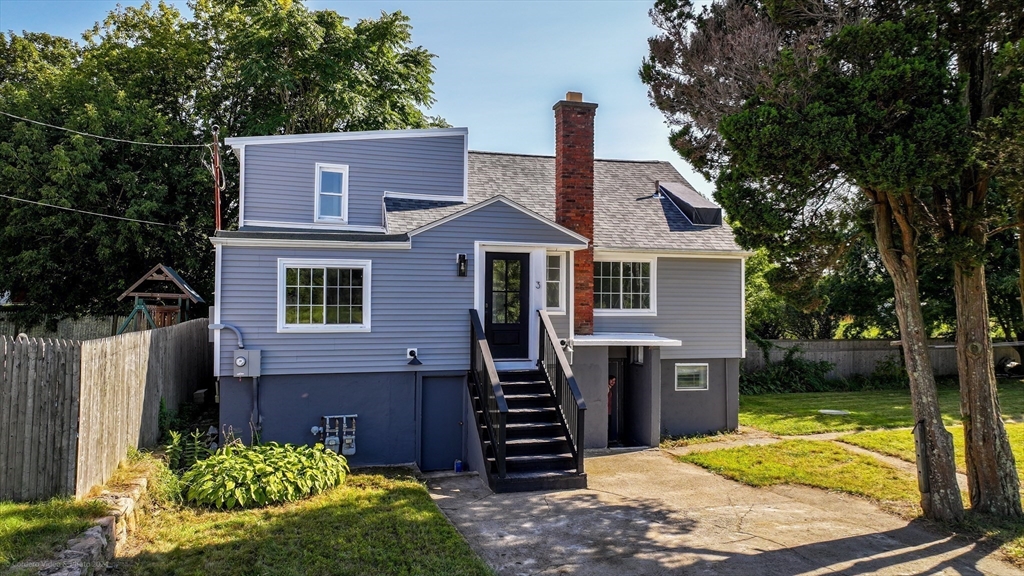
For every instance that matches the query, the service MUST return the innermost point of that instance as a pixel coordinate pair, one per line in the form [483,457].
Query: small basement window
[691,377]
[323,296]
[331,192]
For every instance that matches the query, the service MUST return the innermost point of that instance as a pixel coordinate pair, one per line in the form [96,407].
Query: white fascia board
[624,339]
[427,197]
[330,226]
[340,136]
[288,243]
[611,253]
[517,206]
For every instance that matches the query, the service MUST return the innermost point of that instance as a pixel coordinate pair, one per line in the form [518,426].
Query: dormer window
[331,193]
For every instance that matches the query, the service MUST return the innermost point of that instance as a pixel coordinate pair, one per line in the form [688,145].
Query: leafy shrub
[796,374]
[251,476]
[184,451]
[791,374]
[889,374]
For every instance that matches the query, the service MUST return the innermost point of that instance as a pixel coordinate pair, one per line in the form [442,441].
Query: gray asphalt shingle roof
[626,215]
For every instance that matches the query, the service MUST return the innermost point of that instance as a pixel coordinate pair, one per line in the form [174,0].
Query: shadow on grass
[36,530]
[371,525]
[584,533]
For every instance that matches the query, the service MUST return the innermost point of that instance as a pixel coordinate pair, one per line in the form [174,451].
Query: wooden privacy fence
[853,357]
[70,410]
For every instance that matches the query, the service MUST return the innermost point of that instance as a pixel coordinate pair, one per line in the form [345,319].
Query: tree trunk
[940,494]
[991,470]
[1020,260]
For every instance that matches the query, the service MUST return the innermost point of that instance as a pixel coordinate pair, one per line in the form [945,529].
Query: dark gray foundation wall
[387,405]
[701,411]
[643,417]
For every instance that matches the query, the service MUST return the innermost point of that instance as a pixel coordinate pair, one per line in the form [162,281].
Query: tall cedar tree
[984,46]
[146,73]
[980,33]
[823,111]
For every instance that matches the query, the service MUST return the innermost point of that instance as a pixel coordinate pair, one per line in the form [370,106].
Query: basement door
[507,305]
[441,423]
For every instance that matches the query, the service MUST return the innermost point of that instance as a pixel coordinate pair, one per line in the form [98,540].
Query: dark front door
[507,305]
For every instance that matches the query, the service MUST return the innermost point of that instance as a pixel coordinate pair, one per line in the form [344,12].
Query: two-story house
[504,310]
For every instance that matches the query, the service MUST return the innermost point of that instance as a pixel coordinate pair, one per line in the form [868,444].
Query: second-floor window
[331,193]
[622,286]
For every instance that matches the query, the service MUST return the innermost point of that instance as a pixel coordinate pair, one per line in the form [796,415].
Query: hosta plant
[239,476]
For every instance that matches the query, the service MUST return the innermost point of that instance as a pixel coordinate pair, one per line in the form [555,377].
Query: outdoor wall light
[412,354]
[463,264]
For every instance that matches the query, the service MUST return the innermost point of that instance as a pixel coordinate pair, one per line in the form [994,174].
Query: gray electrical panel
[246,363]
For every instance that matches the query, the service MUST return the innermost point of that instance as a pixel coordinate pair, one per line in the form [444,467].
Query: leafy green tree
[984,37]
[843,113]
[148,74]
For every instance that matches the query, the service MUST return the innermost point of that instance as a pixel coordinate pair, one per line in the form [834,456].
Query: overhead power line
[104,137]
[90,213]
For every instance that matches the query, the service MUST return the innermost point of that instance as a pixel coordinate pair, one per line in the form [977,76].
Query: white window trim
[675,376]
[343,170]
[284,263]
[653,310]
[560,309]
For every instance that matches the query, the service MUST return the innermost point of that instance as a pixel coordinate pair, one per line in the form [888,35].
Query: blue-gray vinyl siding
[280,178]
[700,302]
[417,299]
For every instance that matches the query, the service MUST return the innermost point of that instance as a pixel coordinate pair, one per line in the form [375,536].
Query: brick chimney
[574,195]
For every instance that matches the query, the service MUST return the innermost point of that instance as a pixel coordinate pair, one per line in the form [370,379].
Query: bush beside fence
[70,410]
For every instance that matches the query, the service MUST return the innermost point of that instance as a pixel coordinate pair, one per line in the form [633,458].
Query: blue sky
[500,65]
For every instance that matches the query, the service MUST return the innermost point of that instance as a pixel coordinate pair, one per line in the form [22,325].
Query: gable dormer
[337,181]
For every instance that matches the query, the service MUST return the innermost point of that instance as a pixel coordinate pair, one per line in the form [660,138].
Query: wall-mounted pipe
[229,327]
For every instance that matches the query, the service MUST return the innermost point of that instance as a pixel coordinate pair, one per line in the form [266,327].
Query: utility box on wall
[246,363]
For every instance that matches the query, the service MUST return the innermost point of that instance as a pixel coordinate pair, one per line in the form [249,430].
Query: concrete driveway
[645,513]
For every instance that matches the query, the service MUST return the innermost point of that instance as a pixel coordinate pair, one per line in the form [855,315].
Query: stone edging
[89,553]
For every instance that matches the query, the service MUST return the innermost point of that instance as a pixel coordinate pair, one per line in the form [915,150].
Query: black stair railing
[488,389]
[568,398]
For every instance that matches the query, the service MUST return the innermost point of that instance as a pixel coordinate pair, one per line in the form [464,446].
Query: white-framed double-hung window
[331,193]
[323,296]
[554,282]
[625,287]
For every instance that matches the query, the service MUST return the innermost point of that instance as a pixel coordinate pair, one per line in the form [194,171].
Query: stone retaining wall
[90,553]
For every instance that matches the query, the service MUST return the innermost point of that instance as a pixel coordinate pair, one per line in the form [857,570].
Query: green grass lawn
[371,525]
[792,414]
[900,443]
[810,463]
[32,531]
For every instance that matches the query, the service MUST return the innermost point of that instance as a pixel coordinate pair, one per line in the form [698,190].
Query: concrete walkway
[646,513]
